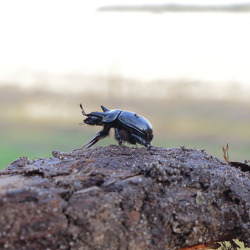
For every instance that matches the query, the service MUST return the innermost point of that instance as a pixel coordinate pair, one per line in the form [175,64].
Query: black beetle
[128,126]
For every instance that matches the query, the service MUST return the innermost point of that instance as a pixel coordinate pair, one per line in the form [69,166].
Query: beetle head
[101,118]
[93,118]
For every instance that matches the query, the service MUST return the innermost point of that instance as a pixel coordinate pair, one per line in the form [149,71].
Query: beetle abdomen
[137,123]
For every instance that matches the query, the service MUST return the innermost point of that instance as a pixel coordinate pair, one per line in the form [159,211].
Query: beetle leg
[141,141]
[103,133]
[118,137]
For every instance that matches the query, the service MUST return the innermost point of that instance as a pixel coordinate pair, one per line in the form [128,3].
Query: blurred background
[184,65]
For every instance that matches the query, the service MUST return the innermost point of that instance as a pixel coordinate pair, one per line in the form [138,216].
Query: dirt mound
[123,198]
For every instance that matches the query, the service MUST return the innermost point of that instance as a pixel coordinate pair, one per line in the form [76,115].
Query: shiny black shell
[137,123]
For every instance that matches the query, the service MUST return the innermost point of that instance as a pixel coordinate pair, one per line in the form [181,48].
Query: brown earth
[123,198]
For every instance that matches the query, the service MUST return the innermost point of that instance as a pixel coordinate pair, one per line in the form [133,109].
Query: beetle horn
[104,109]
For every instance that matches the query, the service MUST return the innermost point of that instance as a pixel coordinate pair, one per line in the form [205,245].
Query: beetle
[129,126]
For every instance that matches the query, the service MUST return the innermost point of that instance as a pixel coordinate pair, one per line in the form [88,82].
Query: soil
[123,198]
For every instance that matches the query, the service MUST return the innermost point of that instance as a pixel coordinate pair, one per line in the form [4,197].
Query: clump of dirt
[123,198]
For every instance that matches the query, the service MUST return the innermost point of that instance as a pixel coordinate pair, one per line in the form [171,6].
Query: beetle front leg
[102,134]
[141,141]
[118,137]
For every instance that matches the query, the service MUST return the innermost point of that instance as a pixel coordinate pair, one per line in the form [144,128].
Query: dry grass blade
[225,153]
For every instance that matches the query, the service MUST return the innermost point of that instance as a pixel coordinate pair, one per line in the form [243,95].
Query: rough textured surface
[123,198]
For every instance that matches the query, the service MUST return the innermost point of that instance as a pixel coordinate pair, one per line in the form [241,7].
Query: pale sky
[60,37]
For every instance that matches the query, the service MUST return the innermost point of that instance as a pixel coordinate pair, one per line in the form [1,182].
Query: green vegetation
[177,121]
[36,141]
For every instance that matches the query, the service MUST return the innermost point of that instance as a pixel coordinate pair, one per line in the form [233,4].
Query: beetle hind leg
[141,141]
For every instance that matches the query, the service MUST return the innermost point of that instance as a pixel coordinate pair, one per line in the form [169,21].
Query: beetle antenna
[82,109]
